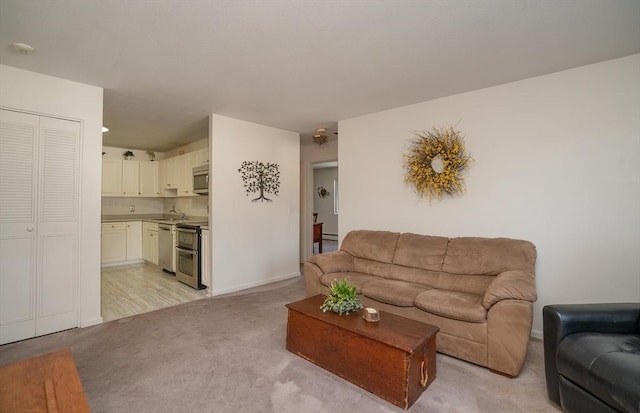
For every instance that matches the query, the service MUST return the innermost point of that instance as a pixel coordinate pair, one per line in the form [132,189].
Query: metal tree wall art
[260,177]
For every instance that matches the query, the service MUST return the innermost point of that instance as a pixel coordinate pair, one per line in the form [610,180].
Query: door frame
[306,207]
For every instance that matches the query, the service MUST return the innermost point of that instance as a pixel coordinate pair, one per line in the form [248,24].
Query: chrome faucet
[181,215]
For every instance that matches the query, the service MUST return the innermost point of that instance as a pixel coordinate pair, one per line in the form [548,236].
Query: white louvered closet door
[39,193]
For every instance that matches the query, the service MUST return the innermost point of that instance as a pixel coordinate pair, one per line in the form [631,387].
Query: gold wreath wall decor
[435,162]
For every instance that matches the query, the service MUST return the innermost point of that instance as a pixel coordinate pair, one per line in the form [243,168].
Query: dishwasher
[166,247]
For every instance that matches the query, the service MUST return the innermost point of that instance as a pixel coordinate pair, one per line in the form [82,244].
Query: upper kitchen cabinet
[149,179]
[168,176]
[111,177]
[184,167]
[201,157]
[130,178]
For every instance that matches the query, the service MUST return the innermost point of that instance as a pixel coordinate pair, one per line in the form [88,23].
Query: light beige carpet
[227,354]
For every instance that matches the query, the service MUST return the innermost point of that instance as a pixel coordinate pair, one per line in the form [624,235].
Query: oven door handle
[192,252]
[189,230]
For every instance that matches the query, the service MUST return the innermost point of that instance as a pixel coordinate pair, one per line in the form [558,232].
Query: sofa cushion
[456,305]
[365,266]
[356,278]
[413,275]
[488,256]
[372,245]
[420,251]
[393,292]
[605,365]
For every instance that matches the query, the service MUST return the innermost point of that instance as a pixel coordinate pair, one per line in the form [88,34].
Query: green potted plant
[128,155]
[342,298]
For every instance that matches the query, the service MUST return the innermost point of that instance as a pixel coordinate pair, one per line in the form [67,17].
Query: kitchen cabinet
[168,174]
[150,242]
[130,179]
[205,265]
[200,157]
[111,177]
[114,242]
[40,164]
[149,179]
[134,240]
[184,170]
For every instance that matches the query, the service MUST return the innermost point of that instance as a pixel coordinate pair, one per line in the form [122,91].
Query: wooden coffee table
[394,358]
[48,383]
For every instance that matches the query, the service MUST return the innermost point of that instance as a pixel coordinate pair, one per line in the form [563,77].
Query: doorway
[325,206]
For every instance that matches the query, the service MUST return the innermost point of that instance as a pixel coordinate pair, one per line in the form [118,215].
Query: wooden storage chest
[394,358]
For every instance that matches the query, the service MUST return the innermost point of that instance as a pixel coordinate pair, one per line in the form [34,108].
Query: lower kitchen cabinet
[134,240]
[150,242]
[121,242]
[114,242]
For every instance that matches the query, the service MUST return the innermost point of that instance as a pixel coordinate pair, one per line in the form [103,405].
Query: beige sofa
[478,291]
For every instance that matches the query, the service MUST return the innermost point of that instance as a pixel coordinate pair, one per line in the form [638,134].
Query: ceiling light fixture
[320,137]
[23,48]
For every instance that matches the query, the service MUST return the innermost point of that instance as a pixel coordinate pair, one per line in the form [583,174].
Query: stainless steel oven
[188,250]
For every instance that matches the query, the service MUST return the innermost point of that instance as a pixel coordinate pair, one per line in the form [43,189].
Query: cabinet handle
[29,228]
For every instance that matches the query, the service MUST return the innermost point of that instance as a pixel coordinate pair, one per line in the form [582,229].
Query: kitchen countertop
[158,218]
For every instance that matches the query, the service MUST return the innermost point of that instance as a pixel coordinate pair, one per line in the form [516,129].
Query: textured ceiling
[299,65]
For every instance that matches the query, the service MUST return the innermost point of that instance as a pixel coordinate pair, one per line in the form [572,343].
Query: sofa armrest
[338,261]
[561,320]
[510,285]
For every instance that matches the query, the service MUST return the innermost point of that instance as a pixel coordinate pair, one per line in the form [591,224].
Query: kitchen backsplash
[121,206]
[192,206]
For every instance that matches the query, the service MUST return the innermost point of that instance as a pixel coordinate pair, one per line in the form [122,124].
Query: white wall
[309,154]
[46,95]
[557,162]
[253,243]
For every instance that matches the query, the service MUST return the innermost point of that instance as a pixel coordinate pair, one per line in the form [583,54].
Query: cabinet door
[130,178]
[201,157]
[184,169]
[168,174]
[111,177]
[114,242]
[149,179]
[134,240]
[150,243]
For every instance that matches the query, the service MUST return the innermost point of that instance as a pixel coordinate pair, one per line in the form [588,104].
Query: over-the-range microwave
[201,179]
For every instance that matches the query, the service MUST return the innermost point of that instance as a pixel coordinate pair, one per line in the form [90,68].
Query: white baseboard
[89,323]
[119,263]
[254,284]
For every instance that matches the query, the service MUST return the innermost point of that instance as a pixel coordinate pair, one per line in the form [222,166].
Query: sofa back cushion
[421,251]
[488,256]
[372,245]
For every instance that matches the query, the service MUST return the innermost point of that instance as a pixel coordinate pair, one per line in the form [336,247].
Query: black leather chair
[592,356]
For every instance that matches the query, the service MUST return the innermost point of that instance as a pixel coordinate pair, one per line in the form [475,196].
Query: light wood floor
[138,288]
